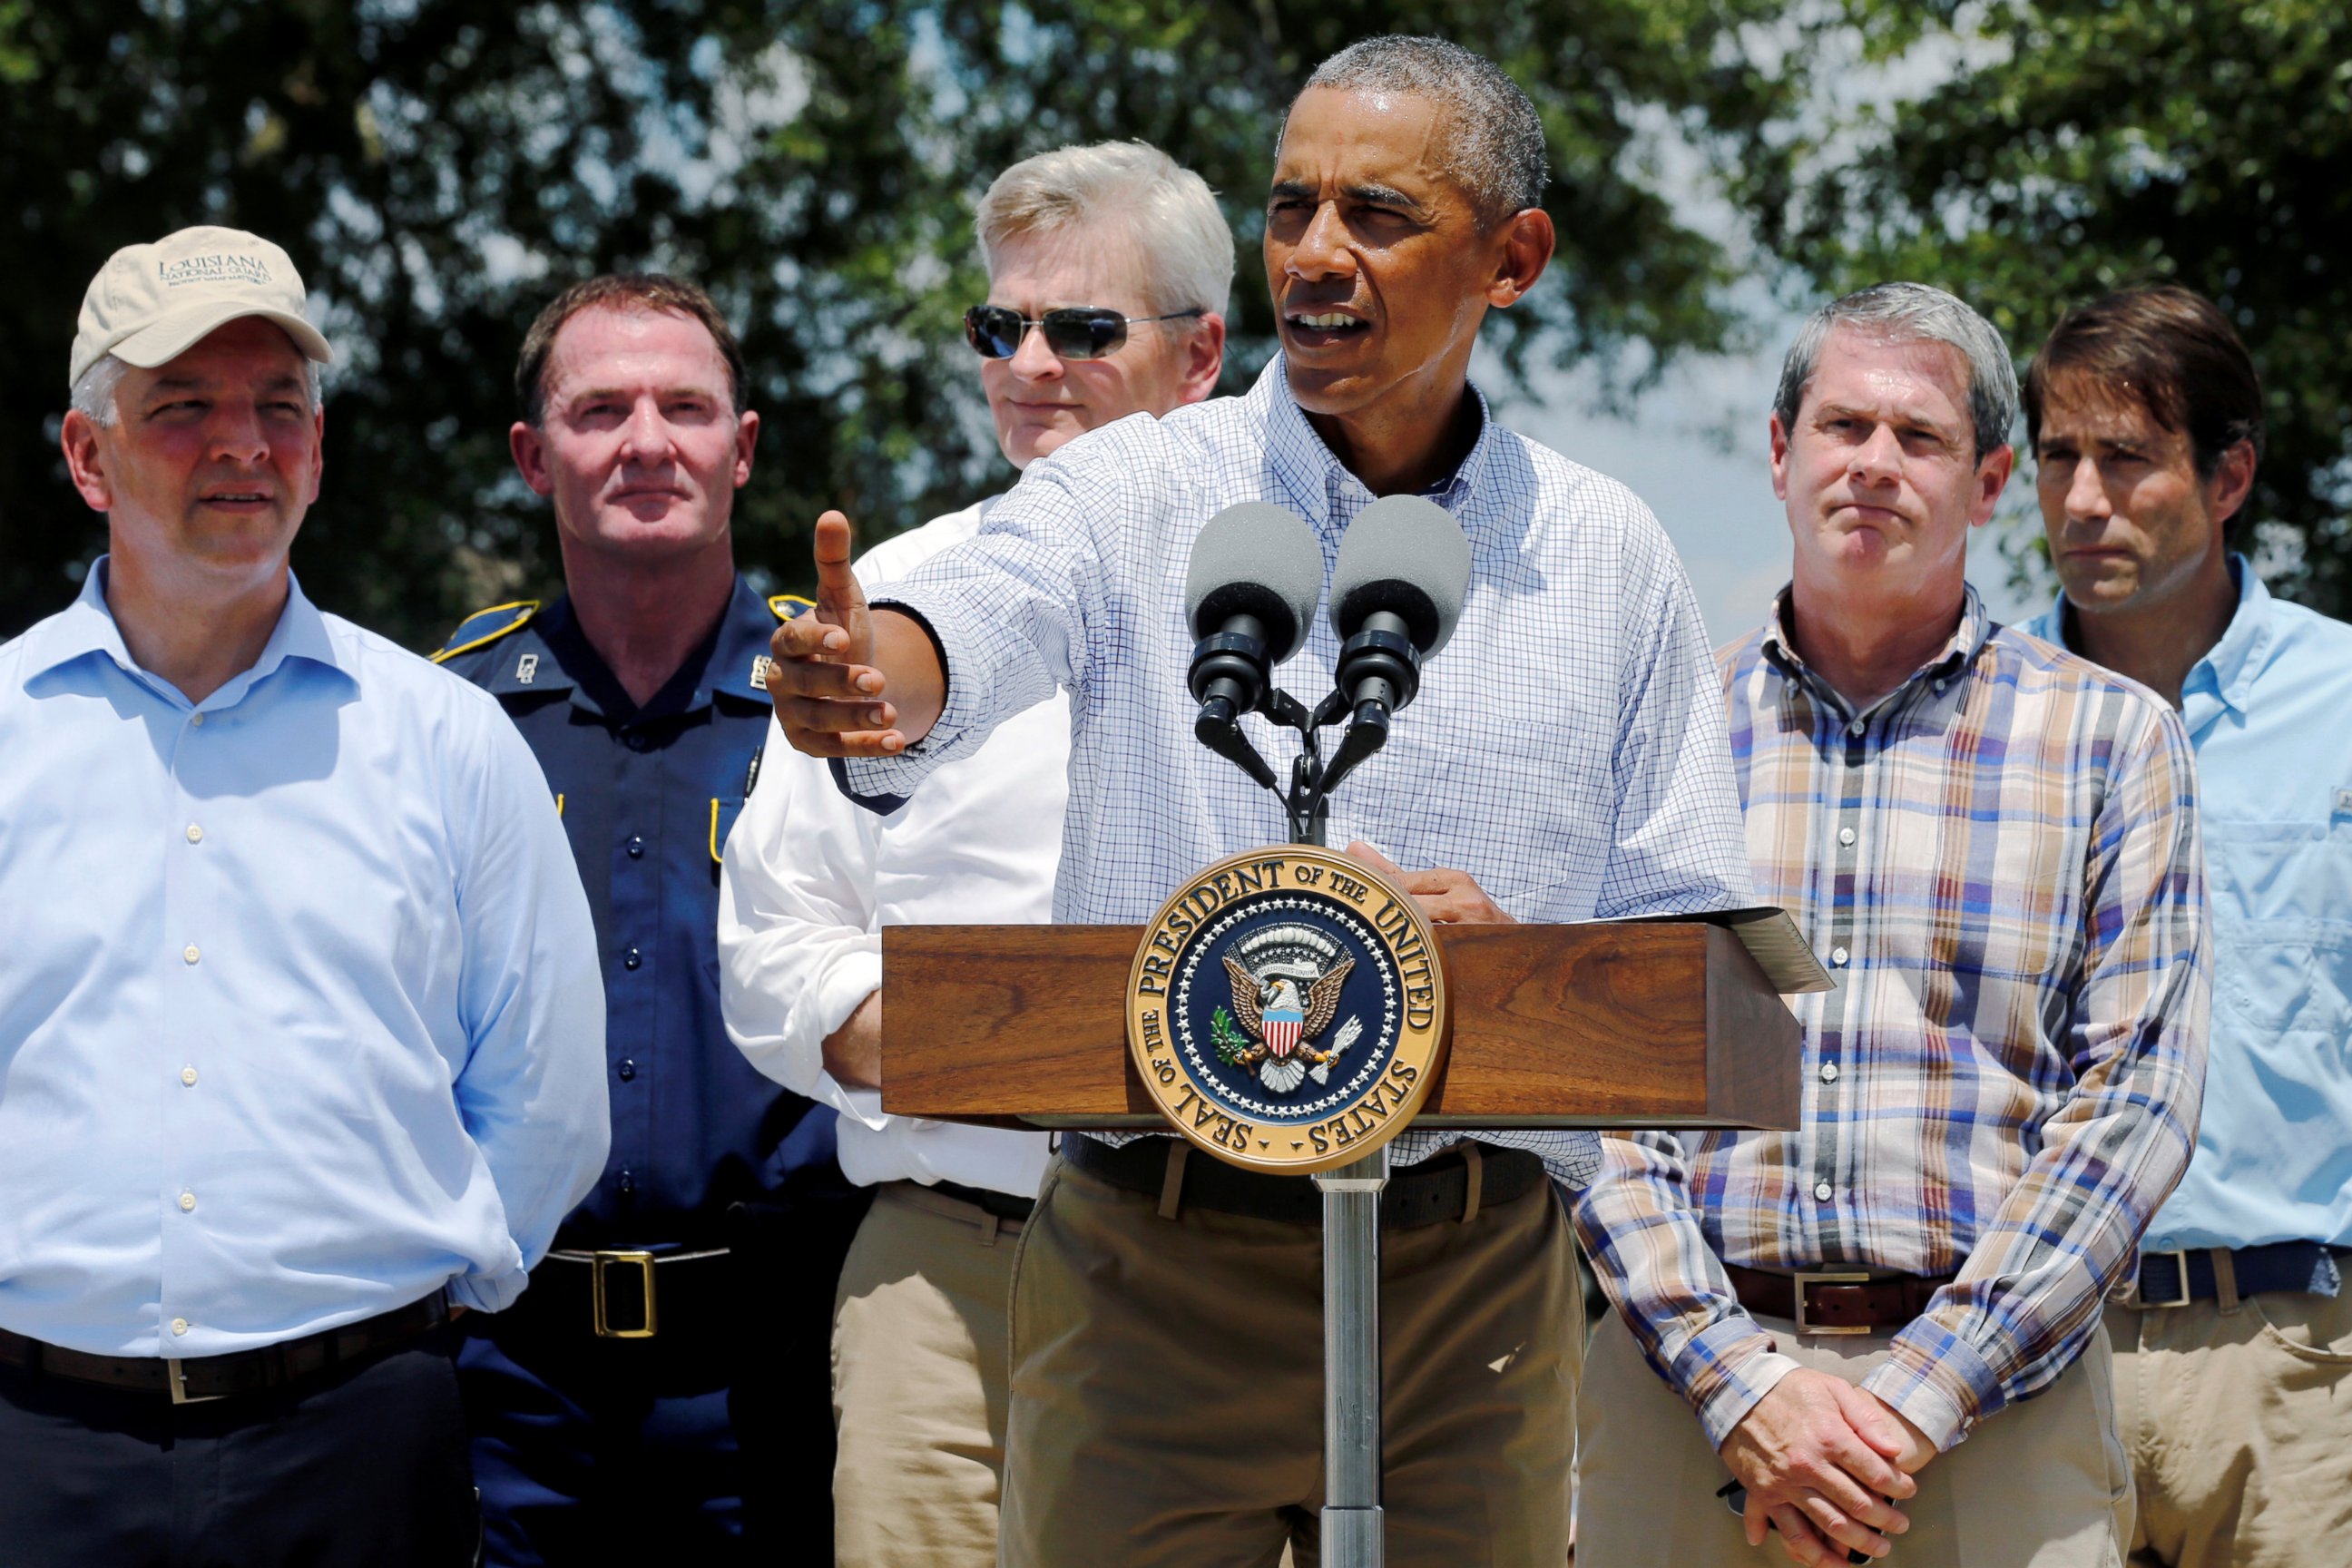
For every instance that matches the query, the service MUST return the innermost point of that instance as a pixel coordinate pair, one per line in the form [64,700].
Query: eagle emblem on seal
[1285,990]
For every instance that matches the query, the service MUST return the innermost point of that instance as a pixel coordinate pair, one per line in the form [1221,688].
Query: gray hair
[1187,246]
[1494,137]
[1912,313]
[93,394]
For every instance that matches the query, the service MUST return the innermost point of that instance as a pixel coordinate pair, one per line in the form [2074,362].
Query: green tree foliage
[438,169]
[2083,144]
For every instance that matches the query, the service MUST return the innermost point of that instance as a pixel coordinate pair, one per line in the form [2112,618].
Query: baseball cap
[151,303]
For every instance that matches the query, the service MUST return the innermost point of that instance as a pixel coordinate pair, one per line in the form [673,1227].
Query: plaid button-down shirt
[1566,749]
[2000,862]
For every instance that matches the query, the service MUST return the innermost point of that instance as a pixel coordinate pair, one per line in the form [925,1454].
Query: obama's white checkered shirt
[1567,748]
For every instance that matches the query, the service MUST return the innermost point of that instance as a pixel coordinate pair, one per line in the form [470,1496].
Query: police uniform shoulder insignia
[486,626]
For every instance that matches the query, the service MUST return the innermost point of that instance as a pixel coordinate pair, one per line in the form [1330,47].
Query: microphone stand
[1354,1533]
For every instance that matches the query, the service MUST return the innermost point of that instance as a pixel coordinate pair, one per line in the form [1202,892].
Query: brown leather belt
[1436,1190]
[203,1378]
[1835,1300]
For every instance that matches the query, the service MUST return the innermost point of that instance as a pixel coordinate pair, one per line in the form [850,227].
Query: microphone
[1250,593]
[1396,595]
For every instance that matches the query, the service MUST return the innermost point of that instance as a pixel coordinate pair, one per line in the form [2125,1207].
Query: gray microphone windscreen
[1404,554]
[1255,559]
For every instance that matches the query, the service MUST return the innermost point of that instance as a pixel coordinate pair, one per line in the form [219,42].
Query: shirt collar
[730,665]
[1320,485]
[2230,666]
[1959,650]
[87,627]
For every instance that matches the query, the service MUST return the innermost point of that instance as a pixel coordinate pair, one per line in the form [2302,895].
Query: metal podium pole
[1353,1535]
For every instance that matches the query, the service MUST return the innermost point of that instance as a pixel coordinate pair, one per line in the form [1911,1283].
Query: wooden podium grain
[1656,1023]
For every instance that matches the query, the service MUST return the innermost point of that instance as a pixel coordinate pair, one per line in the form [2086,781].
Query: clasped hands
[1825,1463]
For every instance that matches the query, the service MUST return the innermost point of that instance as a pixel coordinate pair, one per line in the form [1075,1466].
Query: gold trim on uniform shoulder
[529,607]
[784,606]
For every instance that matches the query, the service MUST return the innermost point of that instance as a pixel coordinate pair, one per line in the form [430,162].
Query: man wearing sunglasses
[1565,759]
[1107,267]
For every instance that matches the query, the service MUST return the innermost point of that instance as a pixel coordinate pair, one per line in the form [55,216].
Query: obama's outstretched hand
[849,681]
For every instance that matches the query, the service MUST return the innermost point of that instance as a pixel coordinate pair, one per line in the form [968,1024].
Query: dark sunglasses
[1075,332]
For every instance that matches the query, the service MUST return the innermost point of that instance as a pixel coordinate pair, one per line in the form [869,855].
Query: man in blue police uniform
[600,1406]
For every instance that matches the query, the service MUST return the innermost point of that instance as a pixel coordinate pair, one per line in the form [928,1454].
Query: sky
[1695,450]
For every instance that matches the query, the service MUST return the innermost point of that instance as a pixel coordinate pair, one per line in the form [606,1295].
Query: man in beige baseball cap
[151,303]
[312,1052]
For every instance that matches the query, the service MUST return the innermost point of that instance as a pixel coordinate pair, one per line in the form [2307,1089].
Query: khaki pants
[1168,1386]
[2041,1485]
[2239,1426]
[919,1383]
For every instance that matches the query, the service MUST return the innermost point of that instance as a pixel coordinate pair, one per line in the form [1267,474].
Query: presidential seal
[1286,1010]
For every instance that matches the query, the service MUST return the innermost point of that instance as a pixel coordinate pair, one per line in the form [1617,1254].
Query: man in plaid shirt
[1994,844]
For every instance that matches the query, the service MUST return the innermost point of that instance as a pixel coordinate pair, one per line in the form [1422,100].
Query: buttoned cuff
[1938,1381]
[1746,1370]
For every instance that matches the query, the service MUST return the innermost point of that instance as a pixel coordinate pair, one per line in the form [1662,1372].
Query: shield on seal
[1284,1024]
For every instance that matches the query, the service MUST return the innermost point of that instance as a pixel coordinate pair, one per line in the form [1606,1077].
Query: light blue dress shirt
[2270,712]
[300,1013]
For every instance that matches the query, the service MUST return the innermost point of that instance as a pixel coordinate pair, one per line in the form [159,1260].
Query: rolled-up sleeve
[798,945]
[1012,610]
[531,1091]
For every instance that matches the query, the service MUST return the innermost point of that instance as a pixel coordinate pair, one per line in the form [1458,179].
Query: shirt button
[1838,957]
[1856,728]
[626,1070]
[1939,687]
[638,741]
[198,720]
[1845,835]
[633,958]
[187,1203]
[180,1325]
[628,1183]
[189,953]
[636,848]
[188,1076]
[1829,1072]
[1822,1191]
[196,834]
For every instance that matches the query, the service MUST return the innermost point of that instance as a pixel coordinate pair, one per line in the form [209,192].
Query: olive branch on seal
[1230,1042]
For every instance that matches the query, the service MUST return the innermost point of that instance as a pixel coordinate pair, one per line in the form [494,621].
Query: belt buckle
[178,1381]
[599,1261]
[2180,1257]
[1802,1280]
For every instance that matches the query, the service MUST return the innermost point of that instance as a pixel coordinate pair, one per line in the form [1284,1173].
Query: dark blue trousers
[589,1458]
[363,1468]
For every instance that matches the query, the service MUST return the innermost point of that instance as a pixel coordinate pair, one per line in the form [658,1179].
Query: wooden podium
[1669,1022]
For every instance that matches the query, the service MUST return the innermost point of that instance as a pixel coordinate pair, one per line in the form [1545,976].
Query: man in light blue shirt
[2233,1350]
[300,1026]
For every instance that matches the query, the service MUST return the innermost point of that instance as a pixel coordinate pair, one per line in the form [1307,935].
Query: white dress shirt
[1567,748]
[809,878]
